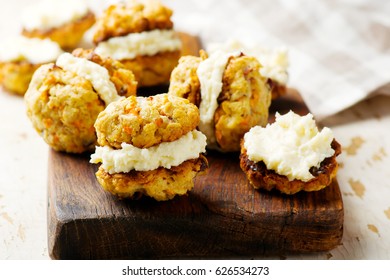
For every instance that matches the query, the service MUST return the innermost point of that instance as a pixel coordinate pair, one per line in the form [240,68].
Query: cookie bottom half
[262,178]
[160,184]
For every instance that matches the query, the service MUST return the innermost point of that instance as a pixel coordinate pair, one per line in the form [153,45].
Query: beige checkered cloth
[339,50]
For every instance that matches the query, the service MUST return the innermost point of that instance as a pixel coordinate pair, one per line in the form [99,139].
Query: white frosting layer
[32,50]
[165,155]
[290,146]
[49,14]
[146,43]
[274,61]
[93,72]
[210,73]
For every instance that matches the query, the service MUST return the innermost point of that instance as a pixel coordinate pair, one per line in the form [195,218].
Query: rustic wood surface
[222,217]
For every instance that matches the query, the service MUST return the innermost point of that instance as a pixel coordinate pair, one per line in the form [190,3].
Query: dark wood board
[222,217]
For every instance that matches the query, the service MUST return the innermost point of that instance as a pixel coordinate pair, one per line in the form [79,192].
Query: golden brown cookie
[16,76]
[20,57]
[138,24]
[149,146]
[161,184]
[184,81]
[145,122]
[63,105]
[63,108]
[262,178]
[242,103]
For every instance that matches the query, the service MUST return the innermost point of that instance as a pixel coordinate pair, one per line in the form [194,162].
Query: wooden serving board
[222,217]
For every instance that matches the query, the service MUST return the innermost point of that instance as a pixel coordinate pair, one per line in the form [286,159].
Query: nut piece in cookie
[64,22]
[20,57]
[140,35]
[231,94]
[149,146]
[64,99]
[290,155]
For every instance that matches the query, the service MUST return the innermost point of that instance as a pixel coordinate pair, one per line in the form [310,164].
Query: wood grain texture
[222,217]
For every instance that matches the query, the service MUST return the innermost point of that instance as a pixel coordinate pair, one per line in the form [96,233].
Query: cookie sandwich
[149,146]
[230,92]
[20,57]
[140,34]
[64,98]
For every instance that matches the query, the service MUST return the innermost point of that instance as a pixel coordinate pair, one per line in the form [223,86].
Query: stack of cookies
[64,98]
[149,145]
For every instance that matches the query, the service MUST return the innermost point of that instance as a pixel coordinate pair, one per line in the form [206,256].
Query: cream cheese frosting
[290,146]
[32,50]
[166,154]
[93,72]
[147,43]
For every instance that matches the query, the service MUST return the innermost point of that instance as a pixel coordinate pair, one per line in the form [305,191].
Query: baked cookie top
[64,98]
[146,121]
[184,81]
[63,108]
[243,102]
[132,17]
